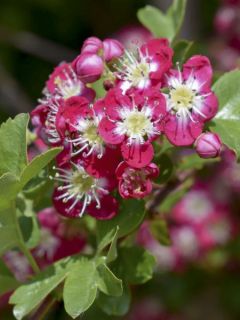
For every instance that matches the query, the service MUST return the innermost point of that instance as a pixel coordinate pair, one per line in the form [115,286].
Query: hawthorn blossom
[135,183]
[190,101]
[80,192]
[133,122]
[146,67]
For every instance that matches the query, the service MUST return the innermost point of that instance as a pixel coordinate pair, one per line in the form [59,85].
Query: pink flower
[133,122]
[63,83]
[208,145]
[80,192]
[135,183]
[88,66]
[108,49]
[147,67]
[194,208]
[190,101]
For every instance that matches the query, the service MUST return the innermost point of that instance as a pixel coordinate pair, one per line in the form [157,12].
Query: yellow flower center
[137,124]
[92,136]
[182,97]
[81,183]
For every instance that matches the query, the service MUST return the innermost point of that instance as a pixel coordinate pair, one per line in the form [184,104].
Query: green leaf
[80,288]
[107,282]
[13,155]
[29,296]
[131,214]
[160,232]
[28,223]
[226,122]
[163,25]
[37,164]
[7,281]
[115,306]
[136,264]
[176,13]
[157,22]
[9,186]
[181,51]
[107,238]
[9,237]
[166,168]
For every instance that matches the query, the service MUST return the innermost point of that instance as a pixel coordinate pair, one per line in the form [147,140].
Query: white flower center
[134,71]
[184,97]
[136,124]
[87,138]
[79,186]
[68,88]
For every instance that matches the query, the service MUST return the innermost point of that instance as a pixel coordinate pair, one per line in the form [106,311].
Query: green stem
[22,245]
[30,257]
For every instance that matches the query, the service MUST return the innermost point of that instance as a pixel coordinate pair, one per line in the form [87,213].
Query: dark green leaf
[159,230]
[181,50]
[115,306]
[131,214]
[136,264]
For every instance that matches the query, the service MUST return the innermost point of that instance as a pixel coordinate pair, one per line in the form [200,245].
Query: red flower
[133,122]
[135,183]
[81,192]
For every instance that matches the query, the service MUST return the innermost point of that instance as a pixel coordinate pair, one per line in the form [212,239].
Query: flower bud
[208,145]
[92,45]
[89,67]
[112,49]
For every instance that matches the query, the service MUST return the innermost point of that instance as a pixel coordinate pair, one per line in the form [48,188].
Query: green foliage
[136,264]
[163,25]
[28,296]
[107,282]
[13,156]
[80,288]
[181,51]
[115,306]
[131,214]
[226,122]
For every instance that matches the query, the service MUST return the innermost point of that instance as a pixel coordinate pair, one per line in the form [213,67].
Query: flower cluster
[108,142]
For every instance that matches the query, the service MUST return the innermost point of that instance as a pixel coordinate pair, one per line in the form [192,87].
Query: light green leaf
[157,22]
[136,264]
[107,282]
[226,122]
[29,296]
[176,13]
[80,288]
[131,214]
[115,306]
[163,25]
[107,239]
[37,164]
[13,156]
